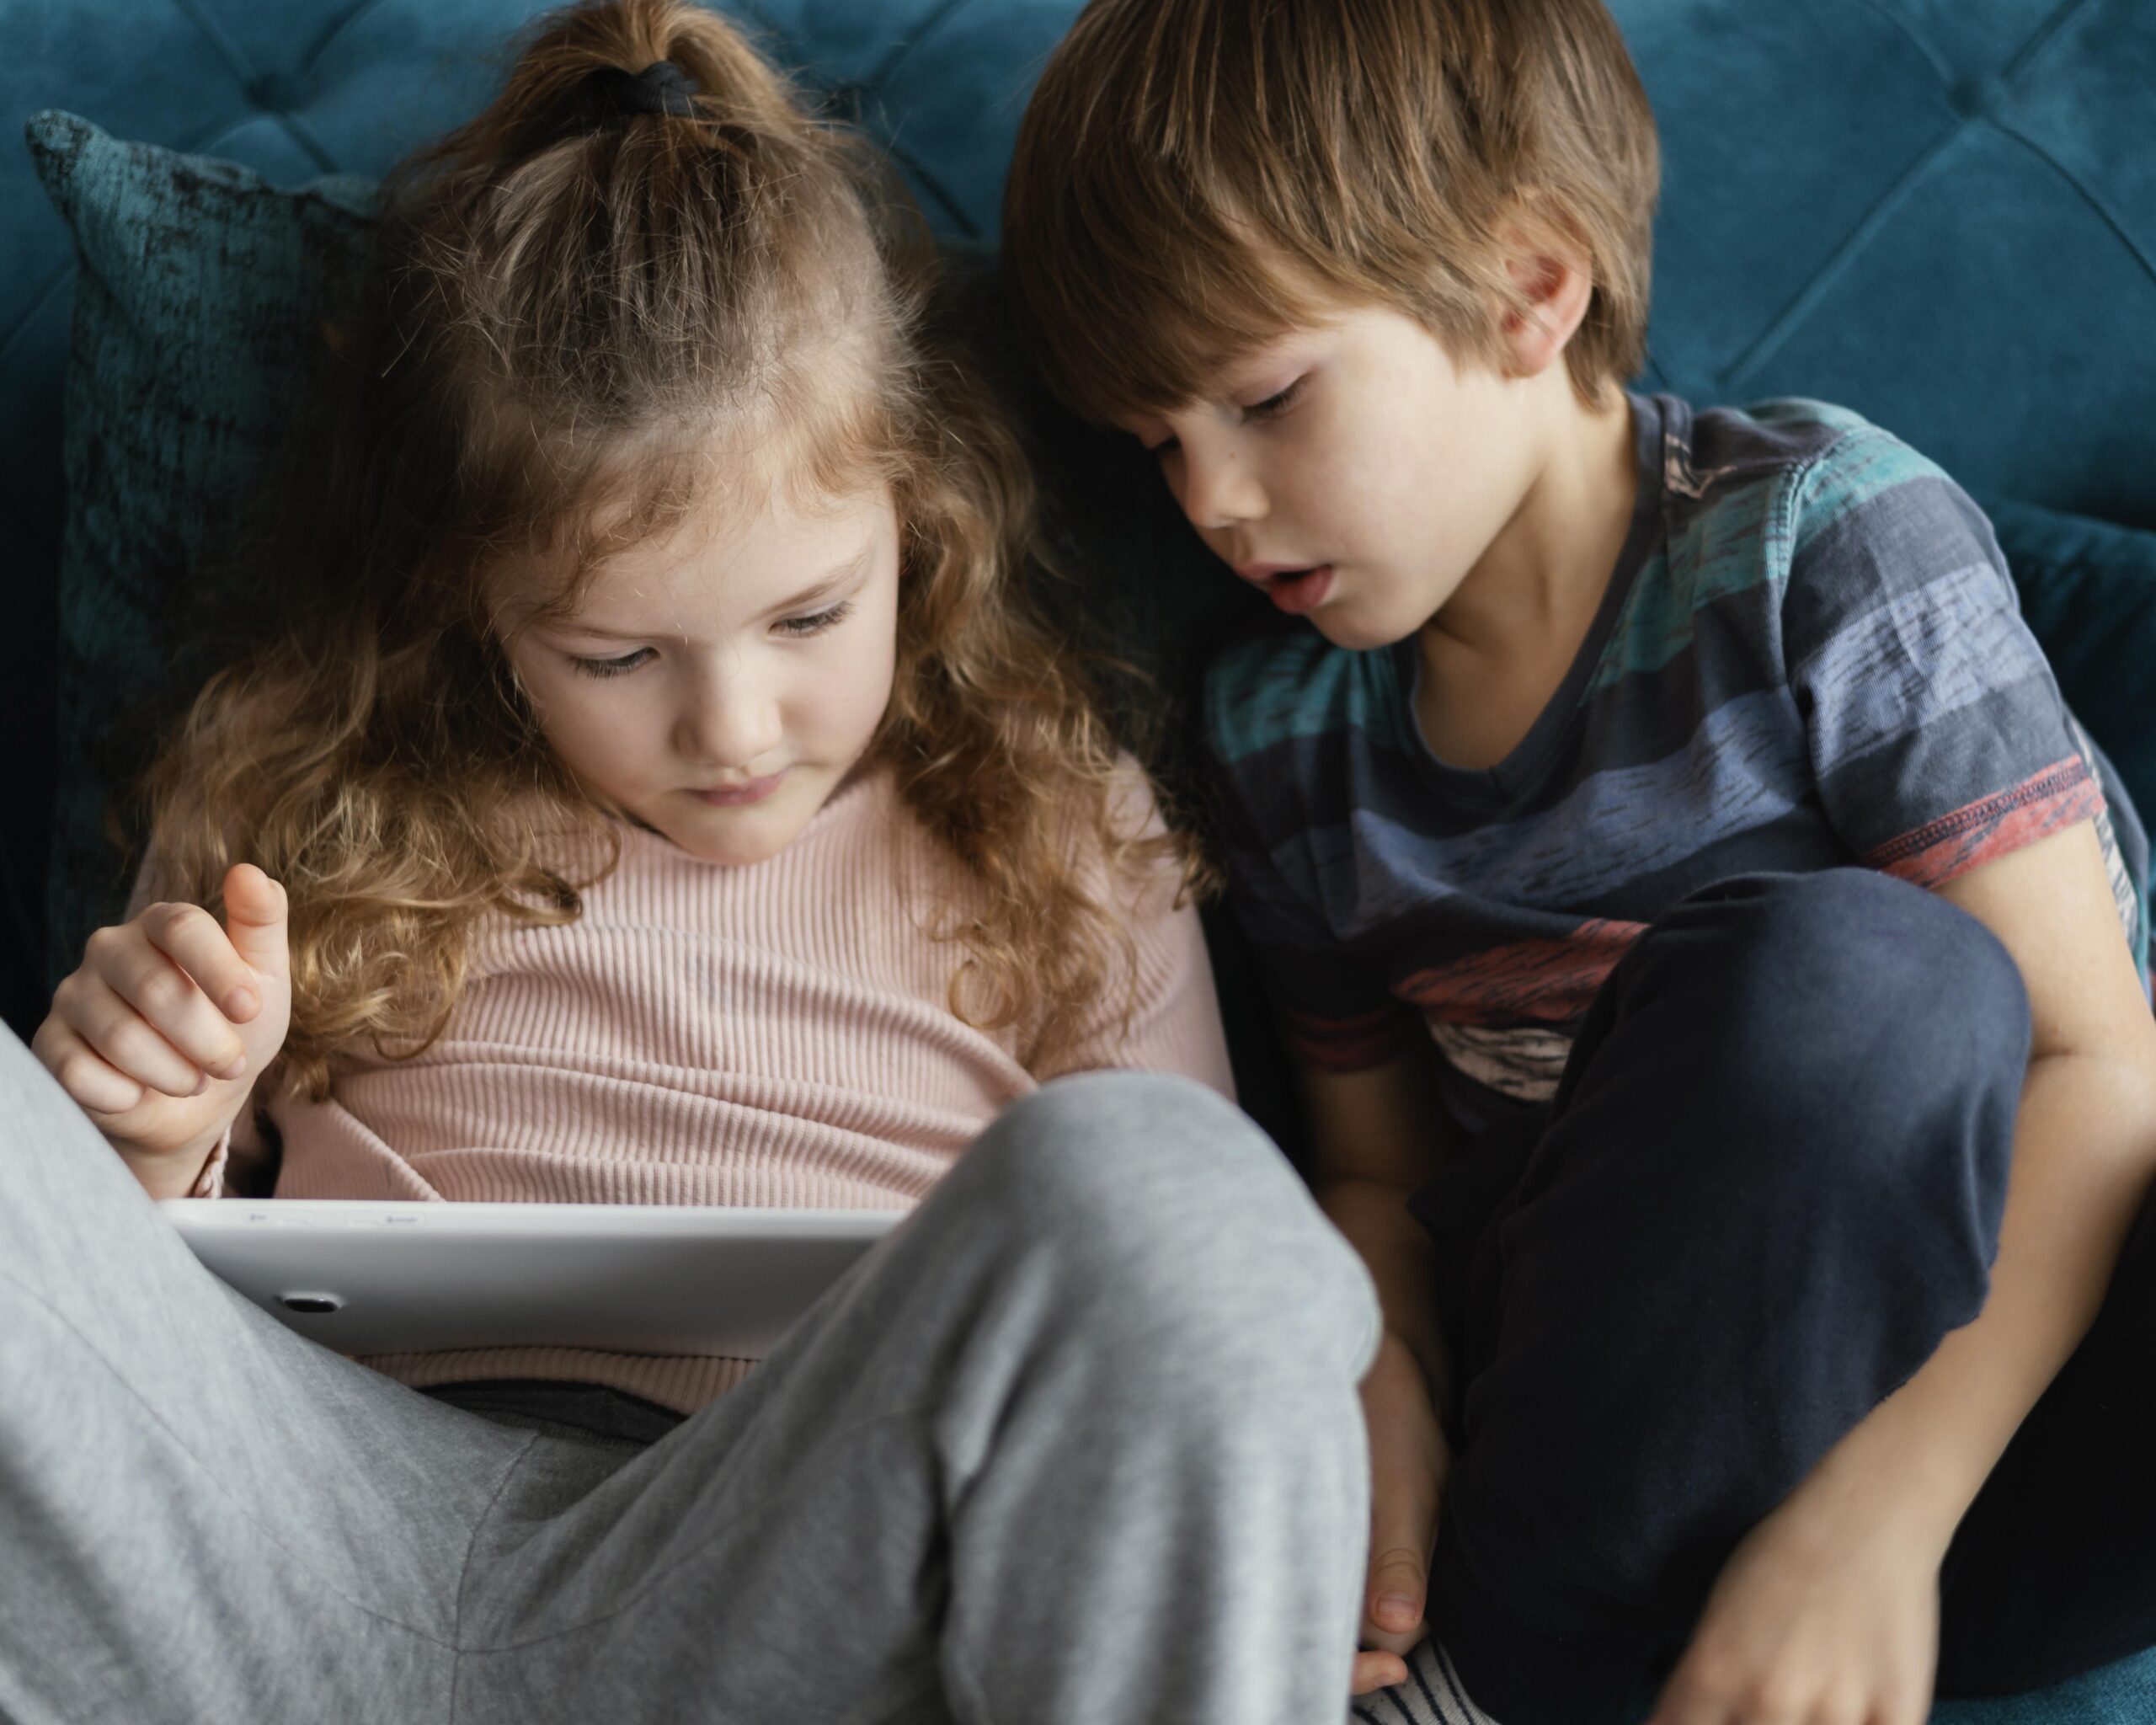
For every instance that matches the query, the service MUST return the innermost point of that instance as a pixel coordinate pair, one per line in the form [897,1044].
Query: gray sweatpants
[1079,1441]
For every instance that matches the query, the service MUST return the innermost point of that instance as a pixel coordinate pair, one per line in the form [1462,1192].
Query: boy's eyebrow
[823,587]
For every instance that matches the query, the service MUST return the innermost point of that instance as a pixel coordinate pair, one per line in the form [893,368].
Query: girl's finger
[257,911]
[120,1035]
[89,1079]
[193,985]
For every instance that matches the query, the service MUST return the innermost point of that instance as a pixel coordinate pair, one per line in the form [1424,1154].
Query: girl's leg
[1079,1441]
[1771,1182]
[203,1516]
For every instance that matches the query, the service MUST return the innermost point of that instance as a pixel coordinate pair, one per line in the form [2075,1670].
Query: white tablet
[382,1277]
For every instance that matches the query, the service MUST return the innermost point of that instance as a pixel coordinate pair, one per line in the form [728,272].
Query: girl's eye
[820,621]
[611,667]
[1275,404]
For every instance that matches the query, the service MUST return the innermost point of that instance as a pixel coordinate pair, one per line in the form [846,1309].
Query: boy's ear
[1554,282]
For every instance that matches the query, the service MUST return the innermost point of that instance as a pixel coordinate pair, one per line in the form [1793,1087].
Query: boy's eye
[1277,403]
[820,621]
[611,667]
[1273,406]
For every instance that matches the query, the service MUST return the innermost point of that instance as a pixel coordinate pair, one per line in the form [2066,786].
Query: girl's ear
[1555,281]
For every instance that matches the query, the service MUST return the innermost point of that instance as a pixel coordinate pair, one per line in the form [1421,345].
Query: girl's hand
[1818,1618]
[1409,1460]
[161,1034]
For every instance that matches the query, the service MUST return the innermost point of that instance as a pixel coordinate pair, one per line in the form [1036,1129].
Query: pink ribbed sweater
[776,1034]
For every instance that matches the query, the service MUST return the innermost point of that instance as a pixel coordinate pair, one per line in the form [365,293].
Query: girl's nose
[732,722]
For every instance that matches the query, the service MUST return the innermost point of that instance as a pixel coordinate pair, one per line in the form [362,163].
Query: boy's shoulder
[1790,459]
[1780,494]
[1271,688]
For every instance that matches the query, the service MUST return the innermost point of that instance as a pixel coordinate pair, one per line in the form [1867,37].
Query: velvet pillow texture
[196,341]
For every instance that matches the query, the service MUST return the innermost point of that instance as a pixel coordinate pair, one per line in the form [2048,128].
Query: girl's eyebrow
[825,586]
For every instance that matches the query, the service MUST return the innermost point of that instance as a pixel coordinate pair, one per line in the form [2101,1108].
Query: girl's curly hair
[575,305]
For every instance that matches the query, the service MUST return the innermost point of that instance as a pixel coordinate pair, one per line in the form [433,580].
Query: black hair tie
[661,87]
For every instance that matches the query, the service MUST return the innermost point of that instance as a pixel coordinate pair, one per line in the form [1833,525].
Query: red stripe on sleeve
[1980,832]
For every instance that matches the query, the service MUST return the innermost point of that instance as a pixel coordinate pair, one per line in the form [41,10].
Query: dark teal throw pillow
[197,343]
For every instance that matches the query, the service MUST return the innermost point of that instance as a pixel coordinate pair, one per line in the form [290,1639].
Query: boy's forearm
[2084,1153]
[1402,1260]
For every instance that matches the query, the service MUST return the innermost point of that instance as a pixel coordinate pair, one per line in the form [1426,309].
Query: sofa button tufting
[276,92]
[1986,98]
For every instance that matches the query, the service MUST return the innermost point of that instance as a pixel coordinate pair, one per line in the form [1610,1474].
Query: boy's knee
[1846,1045]
[1808,984]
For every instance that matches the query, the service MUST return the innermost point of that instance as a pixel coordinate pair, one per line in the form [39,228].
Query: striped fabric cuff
[1433,1694]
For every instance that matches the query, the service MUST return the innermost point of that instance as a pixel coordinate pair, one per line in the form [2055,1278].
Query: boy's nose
[1219,489]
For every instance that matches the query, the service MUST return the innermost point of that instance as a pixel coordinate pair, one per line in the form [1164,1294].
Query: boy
[1685,894]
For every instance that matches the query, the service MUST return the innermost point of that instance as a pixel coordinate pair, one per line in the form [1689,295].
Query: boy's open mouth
[1299,590]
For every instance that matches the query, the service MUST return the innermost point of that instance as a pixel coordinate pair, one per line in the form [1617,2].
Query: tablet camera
[310,1302]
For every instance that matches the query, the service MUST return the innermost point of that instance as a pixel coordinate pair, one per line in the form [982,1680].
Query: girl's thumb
[255,908]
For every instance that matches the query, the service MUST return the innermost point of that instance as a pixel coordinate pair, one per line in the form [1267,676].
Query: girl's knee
[1175,1210]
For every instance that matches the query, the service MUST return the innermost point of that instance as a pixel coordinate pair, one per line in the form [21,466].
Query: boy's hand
[1822,1616]
[1409,1460]
[161,1032]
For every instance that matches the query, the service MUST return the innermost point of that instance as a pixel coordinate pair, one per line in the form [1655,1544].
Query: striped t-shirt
[1809,655]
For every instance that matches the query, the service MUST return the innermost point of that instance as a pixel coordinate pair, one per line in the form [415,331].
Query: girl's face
[718,686]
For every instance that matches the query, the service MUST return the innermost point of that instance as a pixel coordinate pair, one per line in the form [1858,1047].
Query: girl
[660,796]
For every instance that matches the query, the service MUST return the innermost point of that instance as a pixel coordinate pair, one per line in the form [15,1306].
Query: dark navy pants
[1769,1183]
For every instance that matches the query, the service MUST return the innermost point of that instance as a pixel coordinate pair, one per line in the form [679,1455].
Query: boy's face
[1357,448]
[719,685]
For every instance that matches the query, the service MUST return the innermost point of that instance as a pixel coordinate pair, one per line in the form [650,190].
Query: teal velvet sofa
[1939,212]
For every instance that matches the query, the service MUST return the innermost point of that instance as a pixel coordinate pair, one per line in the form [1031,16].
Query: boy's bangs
[1192,176]
[1149,325]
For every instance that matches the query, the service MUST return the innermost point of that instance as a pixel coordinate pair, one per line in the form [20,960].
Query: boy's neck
[1546,572]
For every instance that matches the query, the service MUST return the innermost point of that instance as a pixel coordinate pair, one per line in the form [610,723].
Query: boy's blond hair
[1193,177]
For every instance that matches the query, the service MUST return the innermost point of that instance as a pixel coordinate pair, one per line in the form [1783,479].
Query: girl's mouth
[733,796]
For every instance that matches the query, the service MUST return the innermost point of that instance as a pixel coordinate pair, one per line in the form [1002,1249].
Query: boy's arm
[1377,1136]
[2085,1155]
[1840,1586]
